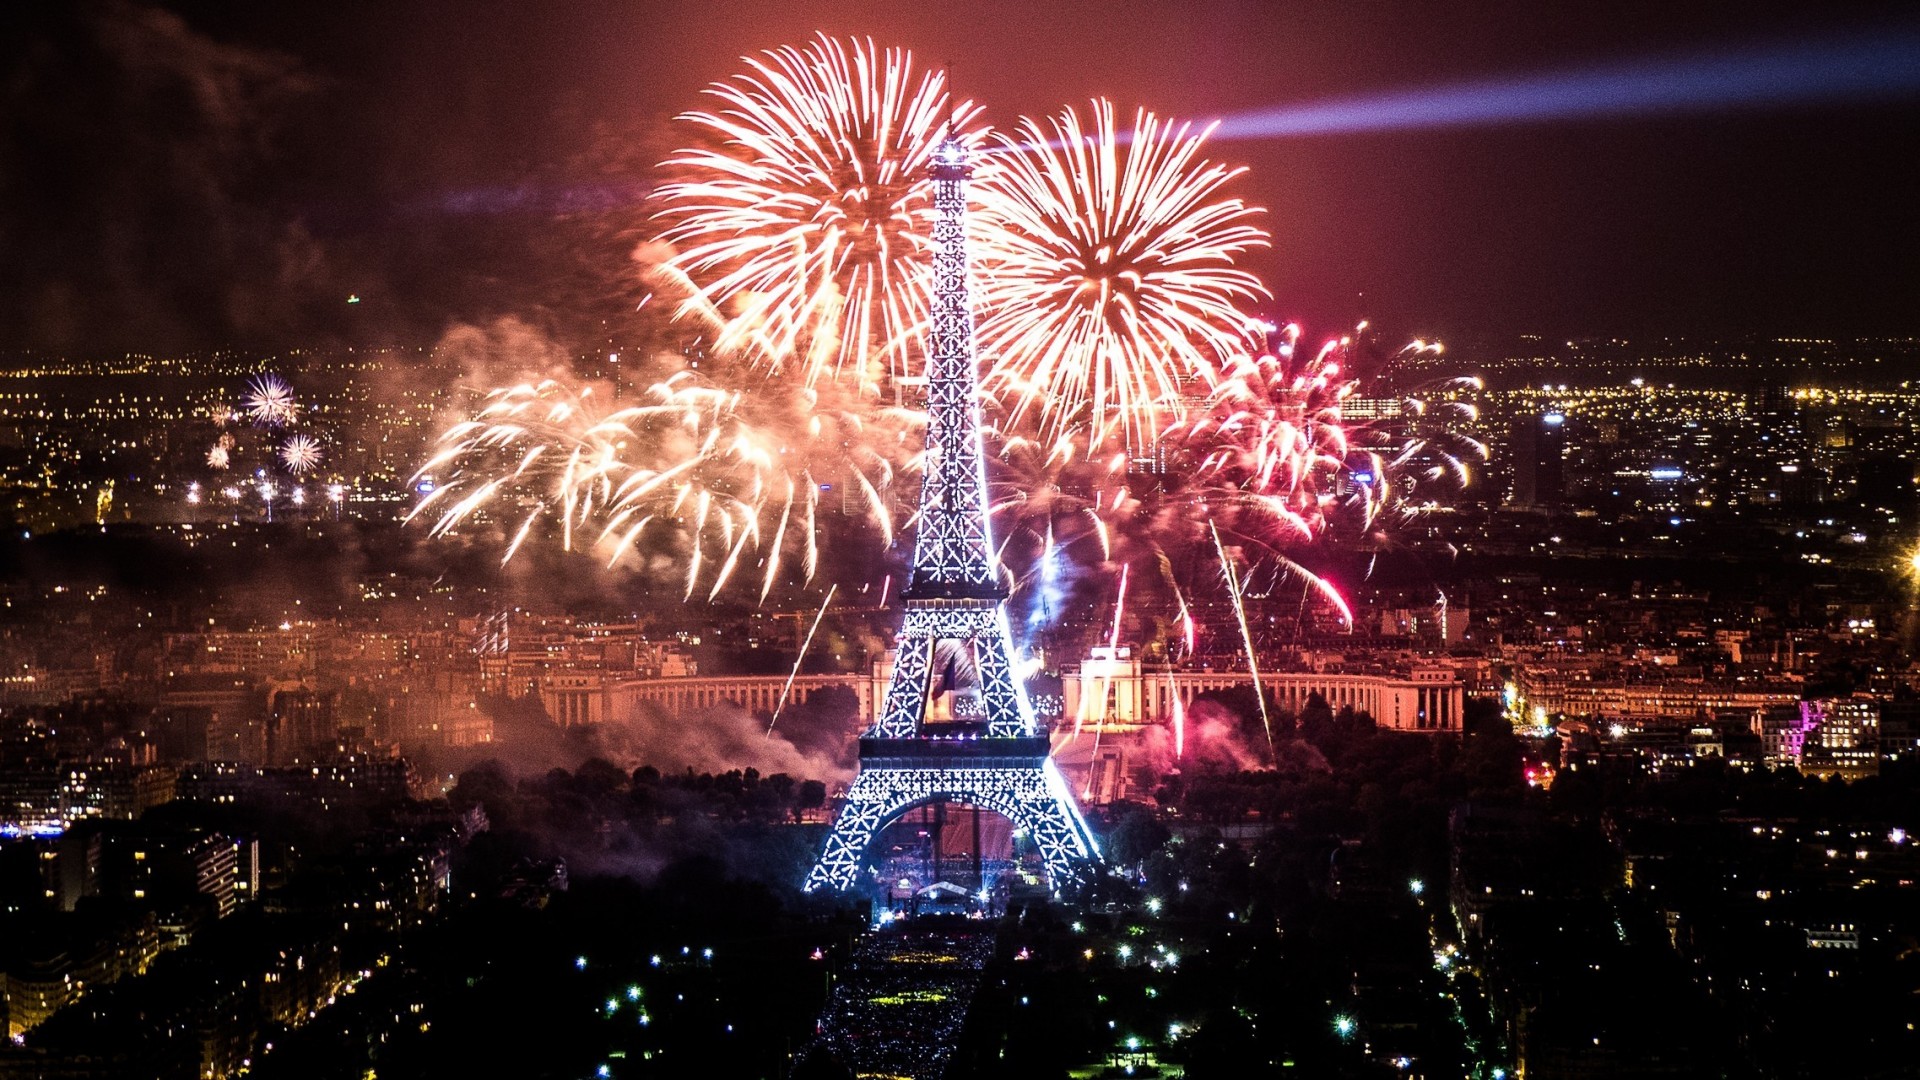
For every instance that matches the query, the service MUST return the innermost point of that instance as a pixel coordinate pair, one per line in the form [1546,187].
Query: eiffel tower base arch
[1029,792]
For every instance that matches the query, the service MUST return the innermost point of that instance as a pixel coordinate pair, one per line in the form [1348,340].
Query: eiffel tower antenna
[955,599]
[953,101]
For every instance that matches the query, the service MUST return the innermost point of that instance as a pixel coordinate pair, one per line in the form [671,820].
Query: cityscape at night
[844,541]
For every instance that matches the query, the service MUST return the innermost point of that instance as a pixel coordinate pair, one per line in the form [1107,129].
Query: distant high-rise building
[1539,460]
[1885,481]
[1899,729]
[301,726]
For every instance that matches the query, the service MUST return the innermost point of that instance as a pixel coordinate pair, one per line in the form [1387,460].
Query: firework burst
[269,402]
[301,454]
[804,214]
[1109,283]
[1273,441]
[1046,493]
[1267,466]
[544,448]
[736,477]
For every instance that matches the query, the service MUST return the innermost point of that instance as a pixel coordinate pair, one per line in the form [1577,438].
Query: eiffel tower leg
[861,816]
[906,699]
[1008,713]
[1058,830]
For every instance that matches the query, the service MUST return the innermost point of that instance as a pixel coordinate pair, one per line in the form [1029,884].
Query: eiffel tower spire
[953,554]
[996,756]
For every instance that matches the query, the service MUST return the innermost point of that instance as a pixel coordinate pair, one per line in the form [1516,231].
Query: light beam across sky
[1857,67]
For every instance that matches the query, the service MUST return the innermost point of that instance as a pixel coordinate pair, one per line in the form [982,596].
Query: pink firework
[1271,440]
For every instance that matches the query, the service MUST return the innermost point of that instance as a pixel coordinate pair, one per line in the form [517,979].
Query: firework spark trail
[1119,610]
[1316,584]
[1434,451]
[1188,633]
[1108,278]
[795,673]
[807,213]
[1087,793]
[1246,632]
[1178,719]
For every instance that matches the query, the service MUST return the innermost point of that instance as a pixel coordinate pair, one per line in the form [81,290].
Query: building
[1114,688]
[172,867]
[301,725]
[1845,739]
[1539,456]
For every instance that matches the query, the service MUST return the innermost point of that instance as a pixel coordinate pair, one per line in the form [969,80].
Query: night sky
[227,173]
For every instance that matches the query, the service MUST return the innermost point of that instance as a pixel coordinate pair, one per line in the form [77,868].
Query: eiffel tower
[996,758]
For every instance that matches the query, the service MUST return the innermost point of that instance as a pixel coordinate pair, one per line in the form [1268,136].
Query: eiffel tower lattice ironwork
[998,760]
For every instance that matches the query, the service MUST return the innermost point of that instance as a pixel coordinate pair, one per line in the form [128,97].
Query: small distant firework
[804,216]
[221,414]
[220,455]
[269,402]
[1108,276]
[301,454]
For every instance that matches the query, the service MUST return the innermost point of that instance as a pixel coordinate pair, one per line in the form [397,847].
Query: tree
[1136,834]
[813,795]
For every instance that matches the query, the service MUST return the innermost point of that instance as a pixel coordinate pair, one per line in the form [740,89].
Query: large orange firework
[1108,283]
[803,214]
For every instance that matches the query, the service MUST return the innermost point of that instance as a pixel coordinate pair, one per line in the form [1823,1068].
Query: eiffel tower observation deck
[954,641]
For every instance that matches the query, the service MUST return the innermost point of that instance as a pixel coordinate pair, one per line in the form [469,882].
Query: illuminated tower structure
[992,754]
